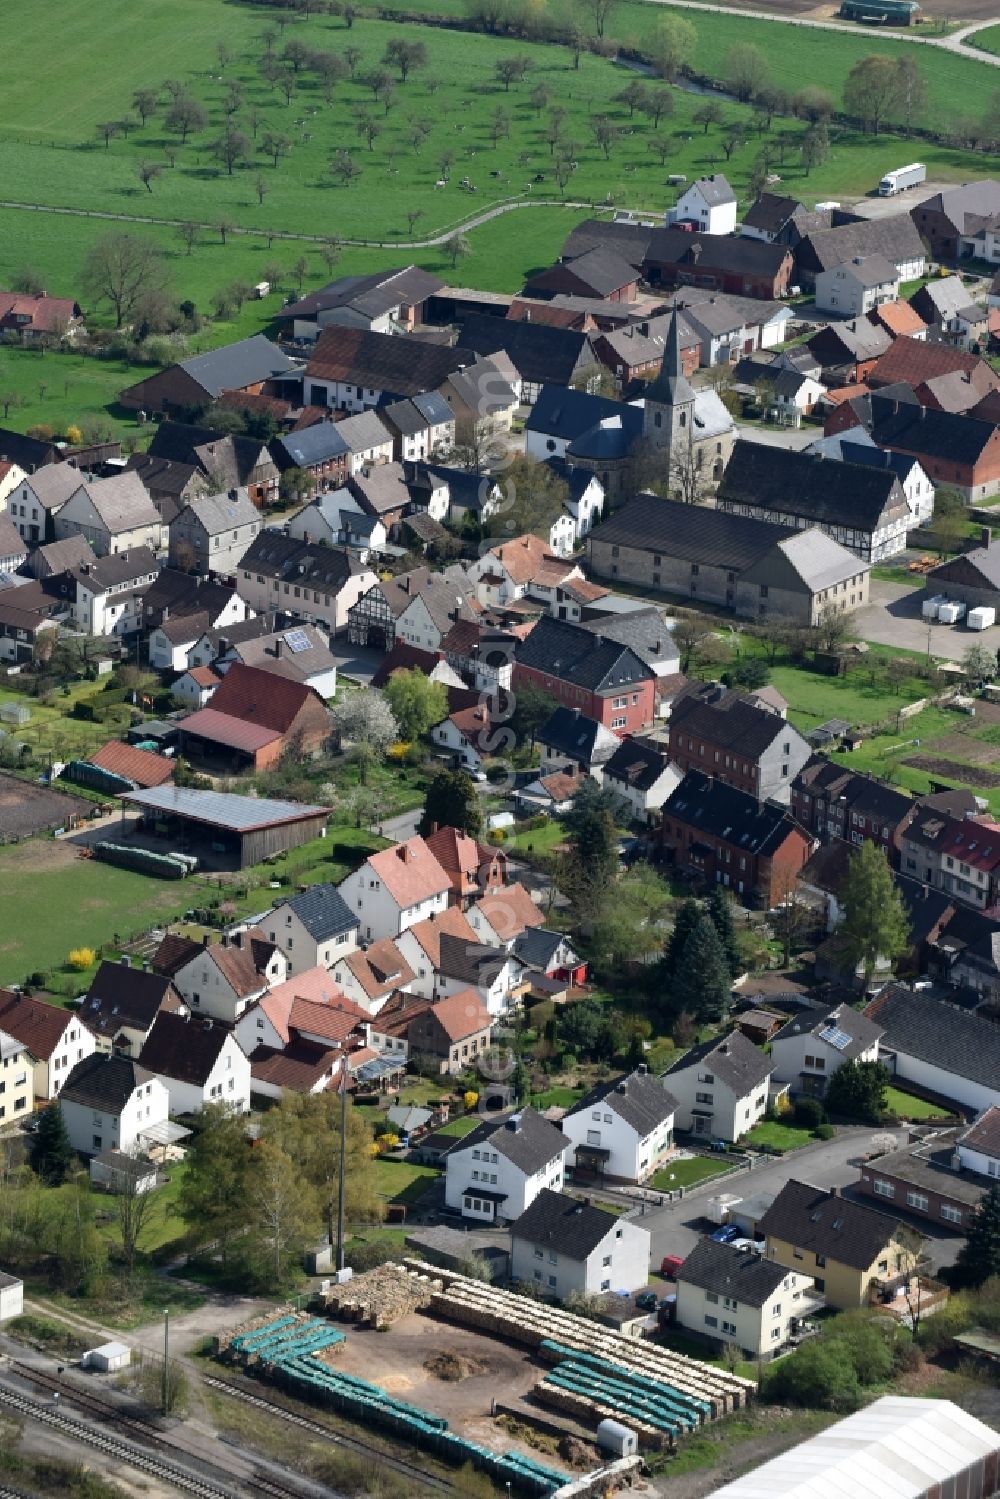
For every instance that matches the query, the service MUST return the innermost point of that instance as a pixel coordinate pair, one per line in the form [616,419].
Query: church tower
[668,419]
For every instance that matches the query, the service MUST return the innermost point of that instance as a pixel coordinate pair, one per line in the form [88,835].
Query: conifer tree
[979,1256]
[720,909]
[52,1154]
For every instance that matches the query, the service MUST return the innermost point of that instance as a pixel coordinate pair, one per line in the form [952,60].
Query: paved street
[676,1228]
[893,618]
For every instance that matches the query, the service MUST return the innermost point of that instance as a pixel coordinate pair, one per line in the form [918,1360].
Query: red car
[670,1264]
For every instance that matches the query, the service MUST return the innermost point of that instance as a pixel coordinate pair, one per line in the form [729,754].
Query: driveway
[356,661]
[893,618]
[677,1227]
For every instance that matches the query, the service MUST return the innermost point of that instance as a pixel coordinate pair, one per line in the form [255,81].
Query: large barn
[225,830]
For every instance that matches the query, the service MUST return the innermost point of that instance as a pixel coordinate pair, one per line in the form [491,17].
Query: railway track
[146,1447]
[354,1444]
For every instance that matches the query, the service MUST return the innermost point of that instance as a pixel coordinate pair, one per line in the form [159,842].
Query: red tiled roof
[225,728]
[46,314]
[240,964]
[561,784]
[334,1023]
[380,968]
[898,318]
[203,675]
[141,766]
[913,360]
[509,911]
[472,723]
[462,1014]
[259,697]
[452,922]
[457,853]
[404,657]
[522,557]
[409,872]
[37,1025]
[315,987]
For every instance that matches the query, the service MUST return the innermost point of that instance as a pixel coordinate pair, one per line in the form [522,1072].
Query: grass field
[908,1106]
[688,1172]
[772,1134]
[400,1181]
[987,40]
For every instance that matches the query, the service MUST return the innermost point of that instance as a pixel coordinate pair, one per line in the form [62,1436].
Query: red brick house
[829,801]
[581,669]
[717,835]
[255,718]
[600,272]
[961,451]
[730,736]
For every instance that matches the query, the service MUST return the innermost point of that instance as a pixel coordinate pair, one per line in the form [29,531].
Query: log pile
[380,1297]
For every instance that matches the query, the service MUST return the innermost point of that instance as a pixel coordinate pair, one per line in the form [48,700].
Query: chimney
[834,1191]
[277,649]
[205,940]
[126,961]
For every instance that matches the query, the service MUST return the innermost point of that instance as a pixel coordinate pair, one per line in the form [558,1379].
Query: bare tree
[120,269]
[148,173]
[107,130]
[600,11]
[188,236]
[184,116]
[133,1202]
[275,145]
[344,167]
[144,102]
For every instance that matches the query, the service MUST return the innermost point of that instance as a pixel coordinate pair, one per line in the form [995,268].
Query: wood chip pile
[381,1296]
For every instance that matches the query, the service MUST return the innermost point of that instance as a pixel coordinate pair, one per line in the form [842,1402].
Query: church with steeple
[672,435]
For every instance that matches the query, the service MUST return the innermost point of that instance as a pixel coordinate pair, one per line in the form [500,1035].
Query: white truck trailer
[901,179]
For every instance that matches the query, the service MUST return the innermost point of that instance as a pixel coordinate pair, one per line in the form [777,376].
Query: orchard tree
[405,55]
[148,173]
[457,248]
[875,924]
[185,115]
[707,115]
[120,269]
[145,102]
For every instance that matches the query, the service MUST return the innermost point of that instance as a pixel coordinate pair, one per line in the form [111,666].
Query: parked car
[670,1264]
[727,1234]
[647,1301]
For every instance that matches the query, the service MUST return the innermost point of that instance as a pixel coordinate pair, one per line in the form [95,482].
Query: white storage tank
[950,613]
[981,618]
[930,607]
[612,1436]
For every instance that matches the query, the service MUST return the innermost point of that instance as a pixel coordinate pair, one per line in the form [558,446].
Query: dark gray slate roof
[316,444]
[732,722]
[856,1029]
[564,413]
[238,365]
[526,1139]
[636,763]
[807,485]
[104,1082]
[538,352]
[732,1272]
[637,1097]
[690,532]
[931,1031]
[813,1219]
[709,805]
[323,912]
[733,1059]
[570,732]
[564,1225]
[474,963]
[895,237]
[536,947]
[576,655]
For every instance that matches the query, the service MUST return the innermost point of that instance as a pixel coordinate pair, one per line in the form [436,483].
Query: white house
[807,1051]
[709,203]
[34,503]
[978,1147]
[730,327]
[198,1061]
[504,572]
[938,1048]
[624,1128]
[195,686]
[492,972]
[721,1087]
[223,979]
[856,446]
[396,888]
[56,1039]
[423,425]
[585,504]
[13,547]
[643,777]
[109,592]
[310,1008]
[172,641]
[314,929]
[420,945]
[498,1170]
[501,917]
[734,1296]
[561,1245]
[110,1102]
[468,737]
[11,477]
[854,287]
[114,515]
[335,518]
[368,977]
[368,439]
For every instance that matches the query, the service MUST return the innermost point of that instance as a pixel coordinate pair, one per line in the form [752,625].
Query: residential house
[252,364]
[352,369]
[420,946]
[755,568]
[778,219]
[473,868]
[299,1068]
[644,776]
[856,447]
[112,1103]
[856,286]
[729,328]
[623,1129]
[728,735]
[320,450]
[211,533]
[421,426]
[736,1298]
[383,302]
[938,1048]
[862,508]
[308,1010]
[314,928]
[716,834]
[959,854]
[941,1178]
[469,737]
[255,718]
[720,1088]
[848,352]
[707,204]
[497,1170]
[941,376]
[894,238]
[57,557]
[604,680]
[481,654]
[541,355]
[743,267]
[28,453]
[948,217]
[213,644]
[562,1246]
[777,384]
[950,314]
[597,273]
[501,917]
[222,979]
[807,1051]
[199,1062]
[898,319]
[37,319]
[13,548]
[954,449]
[54,1039]
[973,577]
[370,976]
[551,794]
[368,441]
[115,515]
[549,955]
[483,396]
[438,604]
[216,606]
[106,594]
[584,504]
[851,1251]
[314,583]
[494,974]
[396,888]
[224,460]
[634,351]
[335,518]
[16,1080]
[122,1002]
[570,740]
[26,621]
[454,1030]
[831,801]
[302,654]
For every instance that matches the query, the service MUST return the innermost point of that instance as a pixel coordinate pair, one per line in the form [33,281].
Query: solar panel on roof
[835,1037]
[297,640]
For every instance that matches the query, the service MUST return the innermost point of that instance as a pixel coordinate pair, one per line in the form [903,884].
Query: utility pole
[166,1361]
[343,1163]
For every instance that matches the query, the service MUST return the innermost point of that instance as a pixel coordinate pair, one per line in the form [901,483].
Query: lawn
[909,1106]
[556,1098]
[987,40]
[772,1134]
[400,1181]
[689,1171]
[63,389]
[543,840]
[460,1127]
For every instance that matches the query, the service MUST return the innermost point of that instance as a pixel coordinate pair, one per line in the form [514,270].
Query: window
[950,1214]
[796,1254]
[729,1327]
[711,1321]
[606,1261]
[552,1283]
[821,1261]
[712,1298]
[917,1200]
[538,1254]
[882,1188]
[776,1310]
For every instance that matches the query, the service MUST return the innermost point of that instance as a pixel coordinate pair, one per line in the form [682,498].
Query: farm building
[228,831]
[11,1296]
